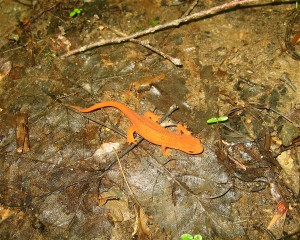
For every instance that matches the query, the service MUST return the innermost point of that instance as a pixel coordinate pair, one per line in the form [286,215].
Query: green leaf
[212,120]
[72,14]
[222,118]
[186,237]
[198,237]
[75,12]
[218,119]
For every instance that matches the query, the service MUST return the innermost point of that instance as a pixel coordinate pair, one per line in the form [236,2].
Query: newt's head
[190,145]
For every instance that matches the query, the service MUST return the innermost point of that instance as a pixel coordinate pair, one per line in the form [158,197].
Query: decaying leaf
[22,136]
[5,68]
[277,222]
[117,203]
[141,228]
[6,212]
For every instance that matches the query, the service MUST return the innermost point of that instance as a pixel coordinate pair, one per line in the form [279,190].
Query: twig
[190,9]
[77,208]
[257,105]
[127,184]
[285,78]
[156,28]
[220,194]
[175,61]
[270,234]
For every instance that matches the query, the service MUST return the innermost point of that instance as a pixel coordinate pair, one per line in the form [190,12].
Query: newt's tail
[97,106]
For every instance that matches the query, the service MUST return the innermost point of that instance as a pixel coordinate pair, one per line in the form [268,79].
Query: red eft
[146,126]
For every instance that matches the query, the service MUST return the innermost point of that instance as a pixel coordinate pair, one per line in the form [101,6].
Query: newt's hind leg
[165,151]
[130,135]
[182,130]
[152,116]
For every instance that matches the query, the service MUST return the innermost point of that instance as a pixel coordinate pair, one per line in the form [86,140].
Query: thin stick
[175,61]
[127,184]
[193,5]
[156,28]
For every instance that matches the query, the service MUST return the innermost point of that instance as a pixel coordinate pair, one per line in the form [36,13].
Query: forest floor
[67,175]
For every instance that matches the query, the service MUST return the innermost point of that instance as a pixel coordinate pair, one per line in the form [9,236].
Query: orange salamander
[147,126]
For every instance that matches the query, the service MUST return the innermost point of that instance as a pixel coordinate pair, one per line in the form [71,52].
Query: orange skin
[146,126]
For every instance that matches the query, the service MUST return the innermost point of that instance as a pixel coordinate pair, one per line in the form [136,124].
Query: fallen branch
[174,23]
[146,44]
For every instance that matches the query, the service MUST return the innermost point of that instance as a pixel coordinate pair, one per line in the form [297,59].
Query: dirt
[66,181]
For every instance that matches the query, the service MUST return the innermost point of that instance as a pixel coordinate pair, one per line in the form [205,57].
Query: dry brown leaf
[22,136]
[5,68]
[141,228]
[6,212]
[117,204]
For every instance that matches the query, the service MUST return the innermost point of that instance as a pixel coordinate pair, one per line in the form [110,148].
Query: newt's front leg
[152,116]
[130,135]
[182,130]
